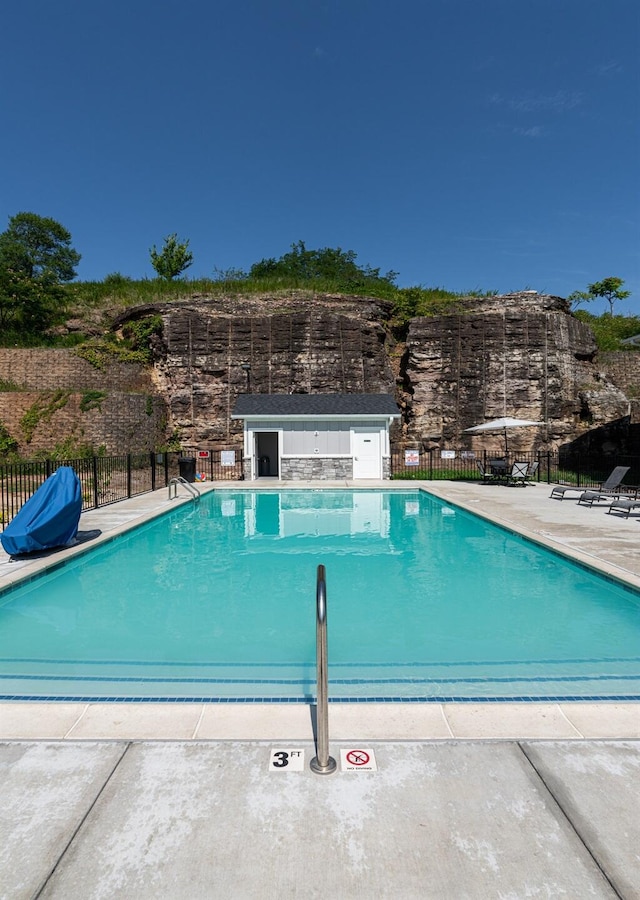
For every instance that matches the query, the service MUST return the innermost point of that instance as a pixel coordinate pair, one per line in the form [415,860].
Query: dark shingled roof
[315,405]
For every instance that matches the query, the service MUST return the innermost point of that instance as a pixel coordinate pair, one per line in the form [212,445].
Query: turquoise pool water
[217,601]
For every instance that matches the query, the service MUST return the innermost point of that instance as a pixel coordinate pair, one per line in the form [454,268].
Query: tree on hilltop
[174,258]
[608,289]
[36,258]
[328,265]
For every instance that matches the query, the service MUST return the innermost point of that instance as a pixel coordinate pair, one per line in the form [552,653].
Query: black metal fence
[553,468]
[107,479]
[590,470]
[462,465]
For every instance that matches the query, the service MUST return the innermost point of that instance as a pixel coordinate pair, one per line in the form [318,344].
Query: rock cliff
[212,350]
[520,355]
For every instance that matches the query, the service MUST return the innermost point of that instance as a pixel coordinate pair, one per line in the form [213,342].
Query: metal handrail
[322,763]
[193,490]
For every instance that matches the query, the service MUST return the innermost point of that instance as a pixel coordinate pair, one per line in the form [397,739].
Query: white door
[366,454]
[254,457]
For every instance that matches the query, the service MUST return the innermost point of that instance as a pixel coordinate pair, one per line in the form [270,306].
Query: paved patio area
[209,820]
[467,800]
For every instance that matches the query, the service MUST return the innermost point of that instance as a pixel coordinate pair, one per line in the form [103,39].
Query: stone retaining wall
[623,368]
[45,369]
[120,423]
[131,416]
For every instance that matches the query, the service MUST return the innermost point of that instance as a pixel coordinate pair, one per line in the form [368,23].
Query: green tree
[336,266]
[608,289]
[36,258]
[173,259]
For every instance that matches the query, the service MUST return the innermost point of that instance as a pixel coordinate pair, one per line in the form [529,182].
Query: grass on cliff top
[96,303]
[118,292]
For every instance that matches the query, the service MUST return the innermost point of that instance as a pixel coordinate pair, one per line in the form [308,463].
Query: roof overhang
[327,407]
[303,417]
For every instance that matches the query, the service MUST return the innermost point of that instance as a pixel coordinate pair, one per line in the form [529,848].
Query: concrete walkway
[213,820]
[186,801]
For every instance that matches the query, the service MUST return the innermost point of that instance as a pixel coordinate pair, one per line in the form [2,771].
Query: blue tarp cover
[49,518]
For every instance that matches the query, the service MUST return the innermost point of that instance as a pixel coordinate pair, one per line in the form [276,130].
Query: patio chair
[624,505]
[518,474]
[487,474]
[499,467]
[610,484]
[531,471]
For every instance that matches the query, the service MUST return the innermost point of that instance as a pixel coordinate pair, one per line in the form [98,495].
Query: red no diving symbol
[357,757]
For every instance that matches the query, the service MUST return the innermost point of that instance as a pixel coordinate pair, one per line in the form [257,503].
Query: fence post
[152,460]
[95,482]
[430,464]
[549,467]
[128,475]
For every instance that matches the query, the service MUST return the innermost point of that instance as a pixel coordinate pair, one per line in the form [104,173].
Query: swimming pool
[216,601]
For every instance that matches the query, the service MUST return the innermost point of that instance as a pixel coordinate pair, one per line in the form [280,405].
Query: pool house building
[316,436]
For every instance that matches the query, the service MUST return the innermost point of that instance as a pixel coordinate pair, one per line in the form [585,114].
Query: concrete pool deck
[470,800]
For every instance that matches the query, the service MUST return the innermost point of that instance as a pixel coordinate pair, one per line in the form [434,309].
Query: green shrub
[610,331]
[69,448]
[140,331]
[8,444]
[92,400]
[42,410]
[100,353]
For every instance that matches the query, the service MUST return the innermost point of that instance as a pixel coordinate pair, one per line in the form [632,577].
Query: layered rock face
[300,343]
[517,355]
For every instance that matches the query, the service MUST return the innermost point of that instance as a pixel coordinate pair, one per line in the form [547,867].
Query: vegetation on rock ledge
[39,307]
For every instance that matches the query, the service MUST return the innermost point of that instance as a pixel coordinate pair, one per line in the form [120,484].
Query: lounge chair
[625,505]
[588,498]
[610,484]
[518,473]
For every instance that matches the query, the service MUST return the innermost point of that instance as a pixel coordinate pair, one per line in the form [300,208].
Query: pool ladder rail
[322,763]
[175,483]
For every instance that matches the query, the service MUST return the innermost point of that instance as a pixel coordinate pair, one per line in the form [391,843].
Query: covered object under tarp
[49,518]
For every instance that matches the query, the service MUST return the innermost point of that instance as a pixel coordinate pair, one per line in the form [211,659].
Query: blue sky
[466,144]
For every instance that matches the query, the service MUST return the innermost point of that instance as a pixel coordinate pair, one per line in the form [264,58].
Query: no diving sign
[358,759]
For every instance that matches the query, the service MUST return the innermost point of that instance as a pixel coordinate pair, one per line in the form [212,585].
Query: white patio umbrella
[501,425]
